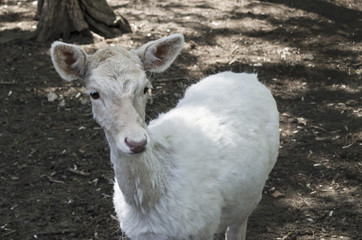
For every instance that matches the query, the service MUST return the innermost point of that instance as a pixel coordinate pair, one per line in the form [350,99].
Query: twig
[114,217]
[320,128]
[57,231]
[78,172]
[8,233]
[54,181]
[8,83]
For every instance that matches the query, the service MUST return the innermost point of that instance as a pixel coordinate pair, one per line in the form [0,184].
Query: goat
[194,171]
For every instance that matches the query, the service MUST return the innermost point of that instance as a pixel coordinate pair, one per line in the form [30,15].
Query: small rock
[310,220]
[351,102]
[277,194]
[14,178]
[52,97]
[84,101]
[308,57]
[302,121]
[330,214]
[341,105]
[61,103]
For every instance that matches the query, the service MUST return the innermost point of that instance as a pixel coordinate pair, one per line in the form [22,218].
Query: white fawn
[194,171]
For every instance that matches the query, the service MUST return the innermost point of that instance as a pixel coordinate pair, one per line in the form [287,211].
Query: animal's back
[224,139]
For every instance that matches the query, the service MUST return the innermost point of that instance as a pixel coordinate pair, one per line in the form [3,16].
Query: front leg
[237,231]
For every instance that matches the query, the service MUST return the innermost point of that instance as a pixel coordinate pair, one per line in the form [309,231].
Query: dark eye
[145,90]
[94,95]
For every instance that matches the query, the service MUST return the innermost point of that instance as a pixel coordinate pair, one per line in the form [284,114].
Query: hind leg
[237,231]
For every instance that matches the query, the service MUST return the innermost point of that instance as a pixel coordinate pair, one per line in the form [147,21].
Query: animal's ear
[69,60]
[158,55]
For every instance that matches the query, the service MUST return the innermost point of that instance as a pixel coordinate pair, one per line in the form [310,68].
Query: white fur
[221,156]
[206,161]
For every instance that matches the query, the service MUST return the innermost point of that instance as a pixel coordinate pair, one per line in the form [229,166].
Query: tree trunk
[61,18]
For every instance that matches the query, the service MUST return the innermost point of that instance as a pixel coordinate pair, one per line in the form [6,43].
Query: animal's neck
[142,178]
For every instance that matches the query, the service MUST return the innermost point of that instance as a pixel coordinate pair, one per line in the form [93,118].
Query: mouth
[132,153]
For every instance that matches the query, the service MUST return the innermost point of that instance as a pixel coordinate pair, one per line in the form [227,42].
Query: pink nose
[136,147]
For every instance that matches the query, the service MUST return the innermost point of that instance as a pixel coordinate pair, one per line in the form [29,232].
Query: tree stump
[64,17]
[61,18]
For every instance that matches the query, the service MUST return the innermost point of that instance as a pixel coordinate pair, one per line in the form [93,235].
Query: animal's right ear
[157,56]
[69,60]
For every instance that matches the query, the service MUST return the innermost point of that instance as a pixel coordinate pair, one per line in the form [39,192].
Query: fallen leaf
[278,194]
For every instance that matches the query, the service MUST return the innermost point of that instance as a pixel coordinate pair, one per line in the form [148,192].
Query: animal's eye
[145,90]
[94,94]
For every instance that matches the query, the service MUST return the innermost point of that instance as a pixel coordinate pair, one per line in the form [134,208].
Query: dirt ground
[55,172]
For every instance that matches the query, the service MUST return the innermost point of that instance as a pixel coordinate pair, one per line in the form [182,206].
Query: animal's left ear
[158,55]
[69,60]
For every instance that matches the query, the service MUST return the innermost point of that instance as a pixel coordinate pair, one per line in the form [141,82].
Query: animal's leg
[237,231]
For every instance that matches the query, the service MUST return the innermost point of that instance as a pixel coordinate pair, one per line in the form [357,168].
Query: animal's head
[117,84]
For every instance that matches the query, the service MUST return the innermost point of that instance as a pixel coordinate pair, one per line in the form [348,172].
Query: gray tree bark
[61,18]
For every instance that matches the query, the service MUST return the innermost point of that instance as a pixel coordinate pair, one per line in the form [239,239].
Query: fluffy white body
[195,170]
[217,154]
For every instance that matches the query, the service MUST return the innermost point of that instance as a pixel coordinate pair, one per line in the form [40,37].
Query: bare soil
[55,173]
